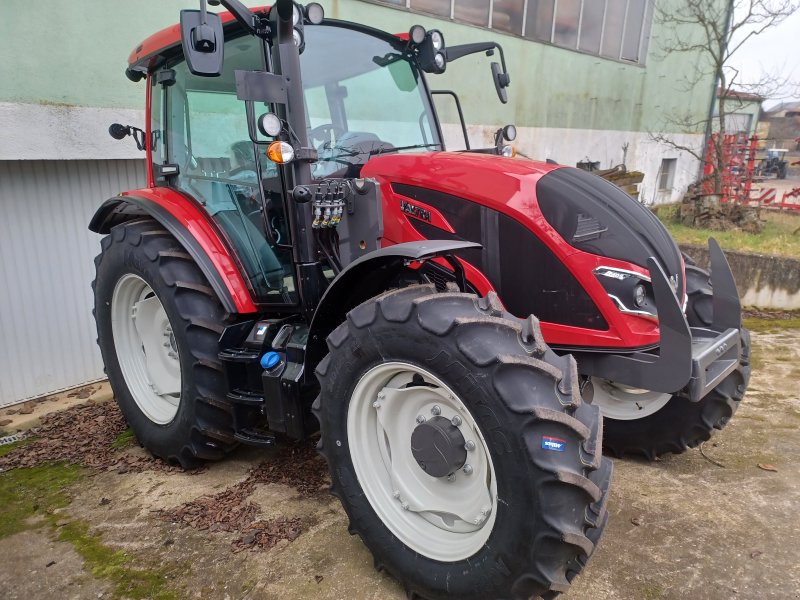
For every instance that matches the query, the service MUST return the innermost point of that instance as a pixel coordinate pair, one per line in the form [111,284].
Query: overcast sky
[775,51]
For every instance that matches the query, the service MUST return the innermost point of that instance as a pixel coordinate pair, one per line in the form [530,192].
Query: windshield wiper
[397,148]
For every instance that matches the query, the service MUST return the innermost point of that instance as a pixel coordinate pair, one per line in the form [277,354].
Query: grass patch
[9,448]
[36,491]
[126,438]
[114,565]
[756,358]
[651,592]
[771,325]
[780,236]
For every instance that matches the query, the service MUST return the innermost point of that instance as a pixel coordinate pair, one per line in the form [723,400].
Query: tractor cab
[223,131]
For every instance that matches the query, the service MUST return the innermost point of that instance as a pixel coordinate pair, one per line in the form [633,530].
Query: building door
[46,268]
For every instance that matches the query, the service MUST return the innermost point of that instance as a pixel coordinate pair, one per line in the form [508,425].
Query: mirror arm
[240,12]
[456,52]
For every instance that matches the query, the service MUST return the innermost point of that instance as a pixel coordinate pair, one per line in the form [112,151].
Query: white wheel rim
[446,519]
[146,349]
[625,403]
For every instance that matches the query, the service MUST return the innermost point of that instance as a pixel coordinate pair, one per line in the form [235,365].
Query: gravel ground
[719,524]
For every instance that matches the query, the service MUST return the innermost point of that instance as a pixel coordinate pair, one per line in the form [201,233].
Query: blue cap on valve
[270,359]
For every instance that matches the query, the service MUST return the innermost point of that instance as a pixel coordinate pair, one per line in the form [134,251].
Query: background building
[590,80]
[742,111]
[783,126]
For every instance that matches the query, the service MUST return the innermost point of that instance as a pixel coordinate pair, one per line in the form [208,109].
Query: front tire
[522,515]
[158,326]
[639,422]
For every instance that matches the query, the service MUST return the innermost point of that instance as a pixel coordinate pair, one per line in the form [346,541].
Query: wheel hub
[622,402]
[438,447]
[400,415]
[147,349]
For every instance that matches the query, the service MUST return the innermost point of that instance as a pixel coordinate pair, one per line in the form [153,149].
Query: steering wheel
[326,132]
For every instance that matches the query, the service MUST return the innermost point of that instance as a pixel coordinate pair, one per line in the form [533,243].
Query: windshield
[363,98]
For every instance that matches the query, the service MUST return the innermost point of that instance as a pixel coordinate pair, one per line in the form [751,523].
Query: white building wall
[47,332]
[55,132]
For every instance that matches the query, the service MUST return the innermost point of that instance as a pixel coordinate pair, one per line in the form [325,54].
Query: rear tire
[546,508]
[681,423]
[143,271]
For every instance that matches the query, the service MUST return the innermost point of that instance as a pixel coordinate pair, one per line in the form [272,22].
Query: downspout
[714,87]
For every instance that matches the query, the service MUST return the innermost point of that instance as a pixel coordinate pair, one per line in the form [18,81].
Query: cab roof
[154,48]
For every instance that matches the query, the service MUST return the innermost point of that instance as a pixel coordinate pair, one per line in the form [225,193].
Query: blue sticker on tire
[553,443]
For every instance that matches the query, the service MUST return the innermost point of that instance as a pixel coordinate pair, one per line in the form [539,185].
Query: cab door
[201,127]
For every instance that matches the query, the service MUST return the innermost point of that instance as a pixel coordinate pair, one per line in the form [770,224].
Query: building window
[738,122]
[440,8]
[617,29]
[666,175]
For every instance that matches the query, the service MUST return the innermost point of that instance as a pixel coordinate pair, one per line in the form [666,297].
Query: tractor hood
[566,208]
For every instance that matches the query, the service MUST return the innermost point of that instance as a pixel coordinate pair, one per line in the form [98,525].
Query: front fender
[365,278]
[193,229]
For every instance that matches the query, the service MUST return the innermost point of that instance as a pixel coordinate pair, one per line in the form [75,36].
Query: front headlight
[631,292]
[639,295]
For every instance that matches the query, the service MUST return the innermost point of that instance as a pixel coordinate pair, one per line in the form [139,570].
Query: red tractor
[307,257]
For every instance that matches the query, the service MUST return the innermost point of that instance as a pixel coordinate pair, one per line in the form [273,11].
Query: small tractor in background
[774,164]
[307,257]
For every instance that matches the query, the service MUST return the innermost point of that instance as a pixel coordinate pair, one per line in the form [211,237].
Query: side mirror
[203,41]
[119,131]
[501,81]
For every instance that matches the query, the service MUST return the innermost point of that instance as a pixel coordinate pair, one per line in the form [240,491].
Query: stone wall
[763,280]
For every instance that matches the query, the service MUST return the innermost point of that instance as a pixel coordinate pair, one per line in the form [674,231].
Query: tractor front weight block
[693,360]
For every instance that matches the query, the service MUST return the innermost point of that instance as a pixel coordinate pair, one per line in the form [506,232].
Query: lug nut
[470,445]
[381,395]
[420,419]
[456,421]
[467,469]
[436,411]
[486,511]
[451,478]
[396,494]
[404,505]
[376,404]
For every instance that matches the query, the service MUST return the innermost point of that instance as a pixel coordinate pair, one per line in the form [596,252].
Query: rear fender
[194,231]
[367,277]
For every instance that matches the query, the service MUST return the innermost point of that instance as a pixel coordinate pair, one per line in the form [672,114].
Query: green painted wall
[75,53]
[551,86]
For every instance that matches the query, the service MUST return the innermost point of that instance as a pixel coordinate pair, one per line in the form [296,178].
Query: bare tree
[714,31]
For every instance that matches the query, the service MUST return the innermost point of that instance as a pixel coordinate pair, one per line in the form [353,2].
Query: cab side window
[223,170]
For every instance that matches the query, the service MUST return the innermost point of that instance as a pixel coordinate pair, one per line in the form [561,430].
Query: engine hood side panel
[490,199]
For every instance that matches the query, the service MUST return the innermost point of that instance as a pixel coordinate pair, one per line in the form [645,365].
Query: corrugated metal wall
[47,332]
